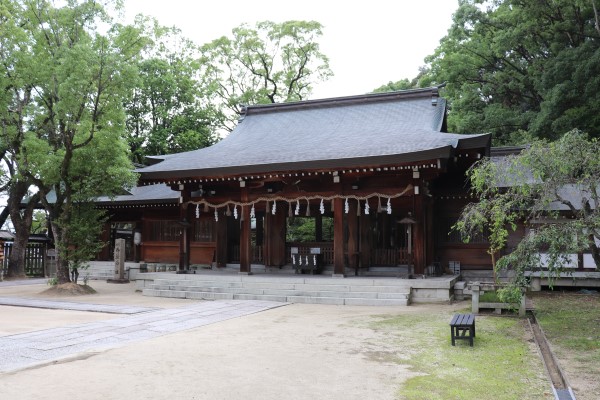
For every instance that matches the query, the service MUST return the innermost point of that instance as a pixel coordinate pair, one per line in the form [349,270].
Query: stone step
[288,299]
[256,281]
[320,292]
[187,285]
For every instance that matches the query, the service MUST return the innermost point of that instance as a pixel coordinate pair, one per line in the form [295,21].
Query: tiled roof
[352,131]
[152,194]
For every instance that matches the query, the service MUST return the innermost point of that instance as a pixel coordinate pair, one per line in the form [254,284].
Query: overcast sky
[369,42]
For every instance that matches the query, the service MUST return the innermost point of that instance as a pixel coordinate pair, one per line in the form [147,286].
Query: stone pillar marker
[119,263]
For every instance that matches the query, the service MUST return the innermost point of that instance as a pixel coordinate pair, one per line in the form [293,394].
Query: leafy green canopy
[552,187]
[266,64]
[65,74]
[167,112]
[521,69]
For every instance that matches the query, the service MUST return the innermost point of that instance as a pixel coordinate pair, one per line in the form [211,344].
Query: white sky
[369,42]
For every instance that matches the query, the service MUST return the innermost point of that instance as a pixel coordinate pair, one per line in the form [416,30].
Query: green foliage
[39,223]
[302,229]
[166,112]
[513,67]
[81,241]
[64,79]
[545,187]
[510,294]
[266,64]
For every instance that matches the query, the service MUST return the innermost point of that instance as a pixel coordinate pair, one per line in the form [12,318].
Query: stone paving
[69,305]
[49,345]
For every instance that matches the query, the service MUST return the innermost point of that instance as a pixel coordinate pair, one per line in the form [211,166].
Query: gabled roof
[372,129]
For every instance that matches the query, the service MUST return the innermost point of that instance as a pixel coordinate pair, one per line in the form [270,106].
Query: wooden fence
[35,258]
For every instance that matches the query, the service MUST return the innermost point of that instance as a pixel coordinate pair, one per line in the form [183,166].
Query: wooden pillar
[338,237]
[419,256]
[319,227]
[184,238]
[222,242]
[429,239]
[365,240]
[353,236]
[245,244]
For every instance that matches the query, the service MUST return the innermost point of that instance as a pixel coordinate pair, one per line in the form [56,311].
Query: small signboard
[315,250]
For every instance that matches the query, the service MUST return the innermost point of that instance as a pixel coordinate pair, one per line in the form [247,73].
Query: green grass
[572,322]
[489,297]
[501,365]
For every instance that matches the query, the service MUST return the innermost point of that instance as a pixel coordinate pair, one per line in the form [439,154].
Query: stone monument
[119,276]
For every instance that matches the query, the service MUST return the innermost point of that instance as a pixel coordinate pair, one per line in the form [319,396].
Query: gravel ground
[296,351]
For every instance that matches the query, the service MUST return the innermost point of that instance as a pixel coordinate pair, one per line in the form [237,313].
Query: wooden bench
[462,326]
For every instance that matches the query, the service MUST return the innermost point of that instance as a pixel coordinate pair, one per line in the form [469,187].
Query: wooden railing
[390,257]
[35,258]
[257,254]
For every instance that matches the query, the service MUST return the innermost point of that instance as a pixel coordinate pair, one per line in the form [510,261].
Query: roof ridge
[339,101]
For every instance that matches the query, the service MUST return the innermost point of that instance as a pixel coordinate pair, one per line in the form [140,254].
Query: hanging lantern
[252,213]
[235,213]
[389,206]
[322,207]
[216,215]
[346,207]
[274,210]
[197,210]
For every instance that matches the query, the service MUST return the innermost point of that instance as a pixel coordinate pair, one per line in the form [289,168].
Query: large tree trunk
[62,264]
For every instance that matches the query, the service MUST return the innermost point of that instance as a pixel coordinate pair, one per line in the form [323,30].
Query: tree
[266,64]
[70,80]
[16,97]
[166,113]
[554,186]
[423,79]
[516,67]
